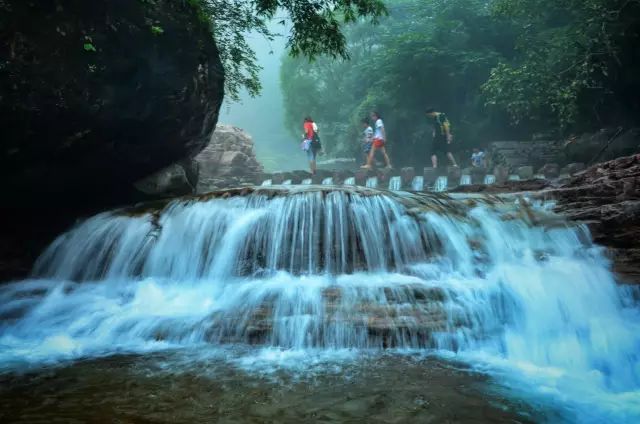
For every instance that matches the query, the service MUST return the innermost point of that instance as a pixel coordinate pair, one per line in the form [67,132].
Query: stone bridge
[427,179]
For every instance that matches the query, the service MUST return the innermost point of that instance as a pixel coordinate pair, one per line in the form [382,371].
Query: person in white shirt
[367,139]
[379,138]
[478,158]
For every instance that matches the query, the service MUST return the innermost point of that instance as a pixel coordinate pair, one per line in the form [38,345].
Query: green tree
[575,65]
[315,29]
[435,53]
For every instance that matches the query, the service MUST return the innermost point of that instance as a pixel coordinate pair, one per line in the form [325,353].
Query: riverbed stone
[550,170]
[525,172]
[407,175]
[430,175]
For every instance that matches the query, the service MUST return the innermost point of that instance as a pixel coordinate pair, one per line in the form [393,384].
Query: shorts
[311,154]
[440,146]
[366,147]
[378,143]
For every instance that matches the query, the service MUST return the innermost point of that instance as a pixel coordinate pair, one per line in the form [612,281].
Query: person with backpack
[442,137]
[311,142]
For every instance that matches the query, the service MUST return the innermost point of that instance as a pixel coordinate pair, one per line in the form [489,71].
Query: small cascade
[441,184]
[513,177]
[372,182]
[267,183]
[306,181]
[350,181]
[286,182]
[417,184]
[327,181]
[506,286]
[465,180]
[489,179]
[538,177]
[395,183]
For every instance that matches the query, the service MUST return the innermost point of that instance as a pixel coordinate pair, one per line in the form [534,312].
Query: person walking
[367,139]
[311,142]
[379,137]
[442,137]
[478,158]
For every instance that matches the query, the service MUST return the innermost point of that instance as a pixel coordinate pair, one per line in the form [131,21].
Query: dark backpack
[315,142]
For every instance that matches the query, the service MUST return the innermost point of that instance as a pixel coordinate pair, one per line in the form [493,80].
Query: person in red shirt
[311,142]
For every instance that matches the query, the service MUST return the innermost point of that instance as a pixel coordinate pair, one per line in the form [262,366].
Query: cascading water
[465,180]
[395,183]
[267,183]
[489,179]
[441,184]
[516,291]
[350,181]
[306,181]
[417,184]
[372,182]
[327,181]
[513,177]
[286,182]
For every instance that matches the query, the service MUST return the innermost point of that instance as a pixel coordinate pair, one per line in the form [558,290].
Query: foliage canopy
[315,30]
[498,68]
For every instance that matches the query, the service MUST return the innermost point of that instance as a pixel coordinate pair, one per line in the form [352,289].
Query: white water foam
[328,271]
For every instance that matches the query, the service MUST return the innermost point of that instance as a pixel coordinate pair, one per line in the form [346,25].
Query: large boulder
[98,94]
[95,95]
[607,198]
[228,159]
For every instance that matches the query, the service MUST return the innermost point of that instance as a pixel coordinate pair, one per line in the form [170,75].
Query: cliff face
[98,94]
[95,95]
[228,160]
[607,198]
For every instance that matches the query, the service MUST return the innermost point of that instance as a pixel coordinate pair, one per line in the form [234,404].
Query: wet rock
[550,170]
[229,155]
[504,187]
[430,175]
[525,172]
[453,173]
[170,181]
[572,168]
[607,197]
[501,173]
[407,175]
[93,99]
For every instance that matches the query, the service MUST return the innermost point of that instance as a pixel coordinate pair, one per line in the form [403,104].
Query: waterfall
[417,184]
[489,179]
[513,177]
[538,177]
[372,182]
[350,181]
[509,287]
[286,182]
[465,180]
[327,181]
[441,184]
[395,183]
[306,181]
[267,183]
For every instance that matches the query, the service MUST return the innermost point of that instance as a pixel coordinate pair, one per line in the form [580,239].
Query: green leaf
[156,30]
[88,47]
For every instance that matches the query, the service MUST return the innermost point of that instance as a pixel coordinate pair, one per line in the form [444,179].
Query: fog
[263,117]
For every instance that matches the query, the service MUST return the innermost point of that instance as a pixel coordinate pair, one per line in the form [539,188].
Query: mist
[263,116]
